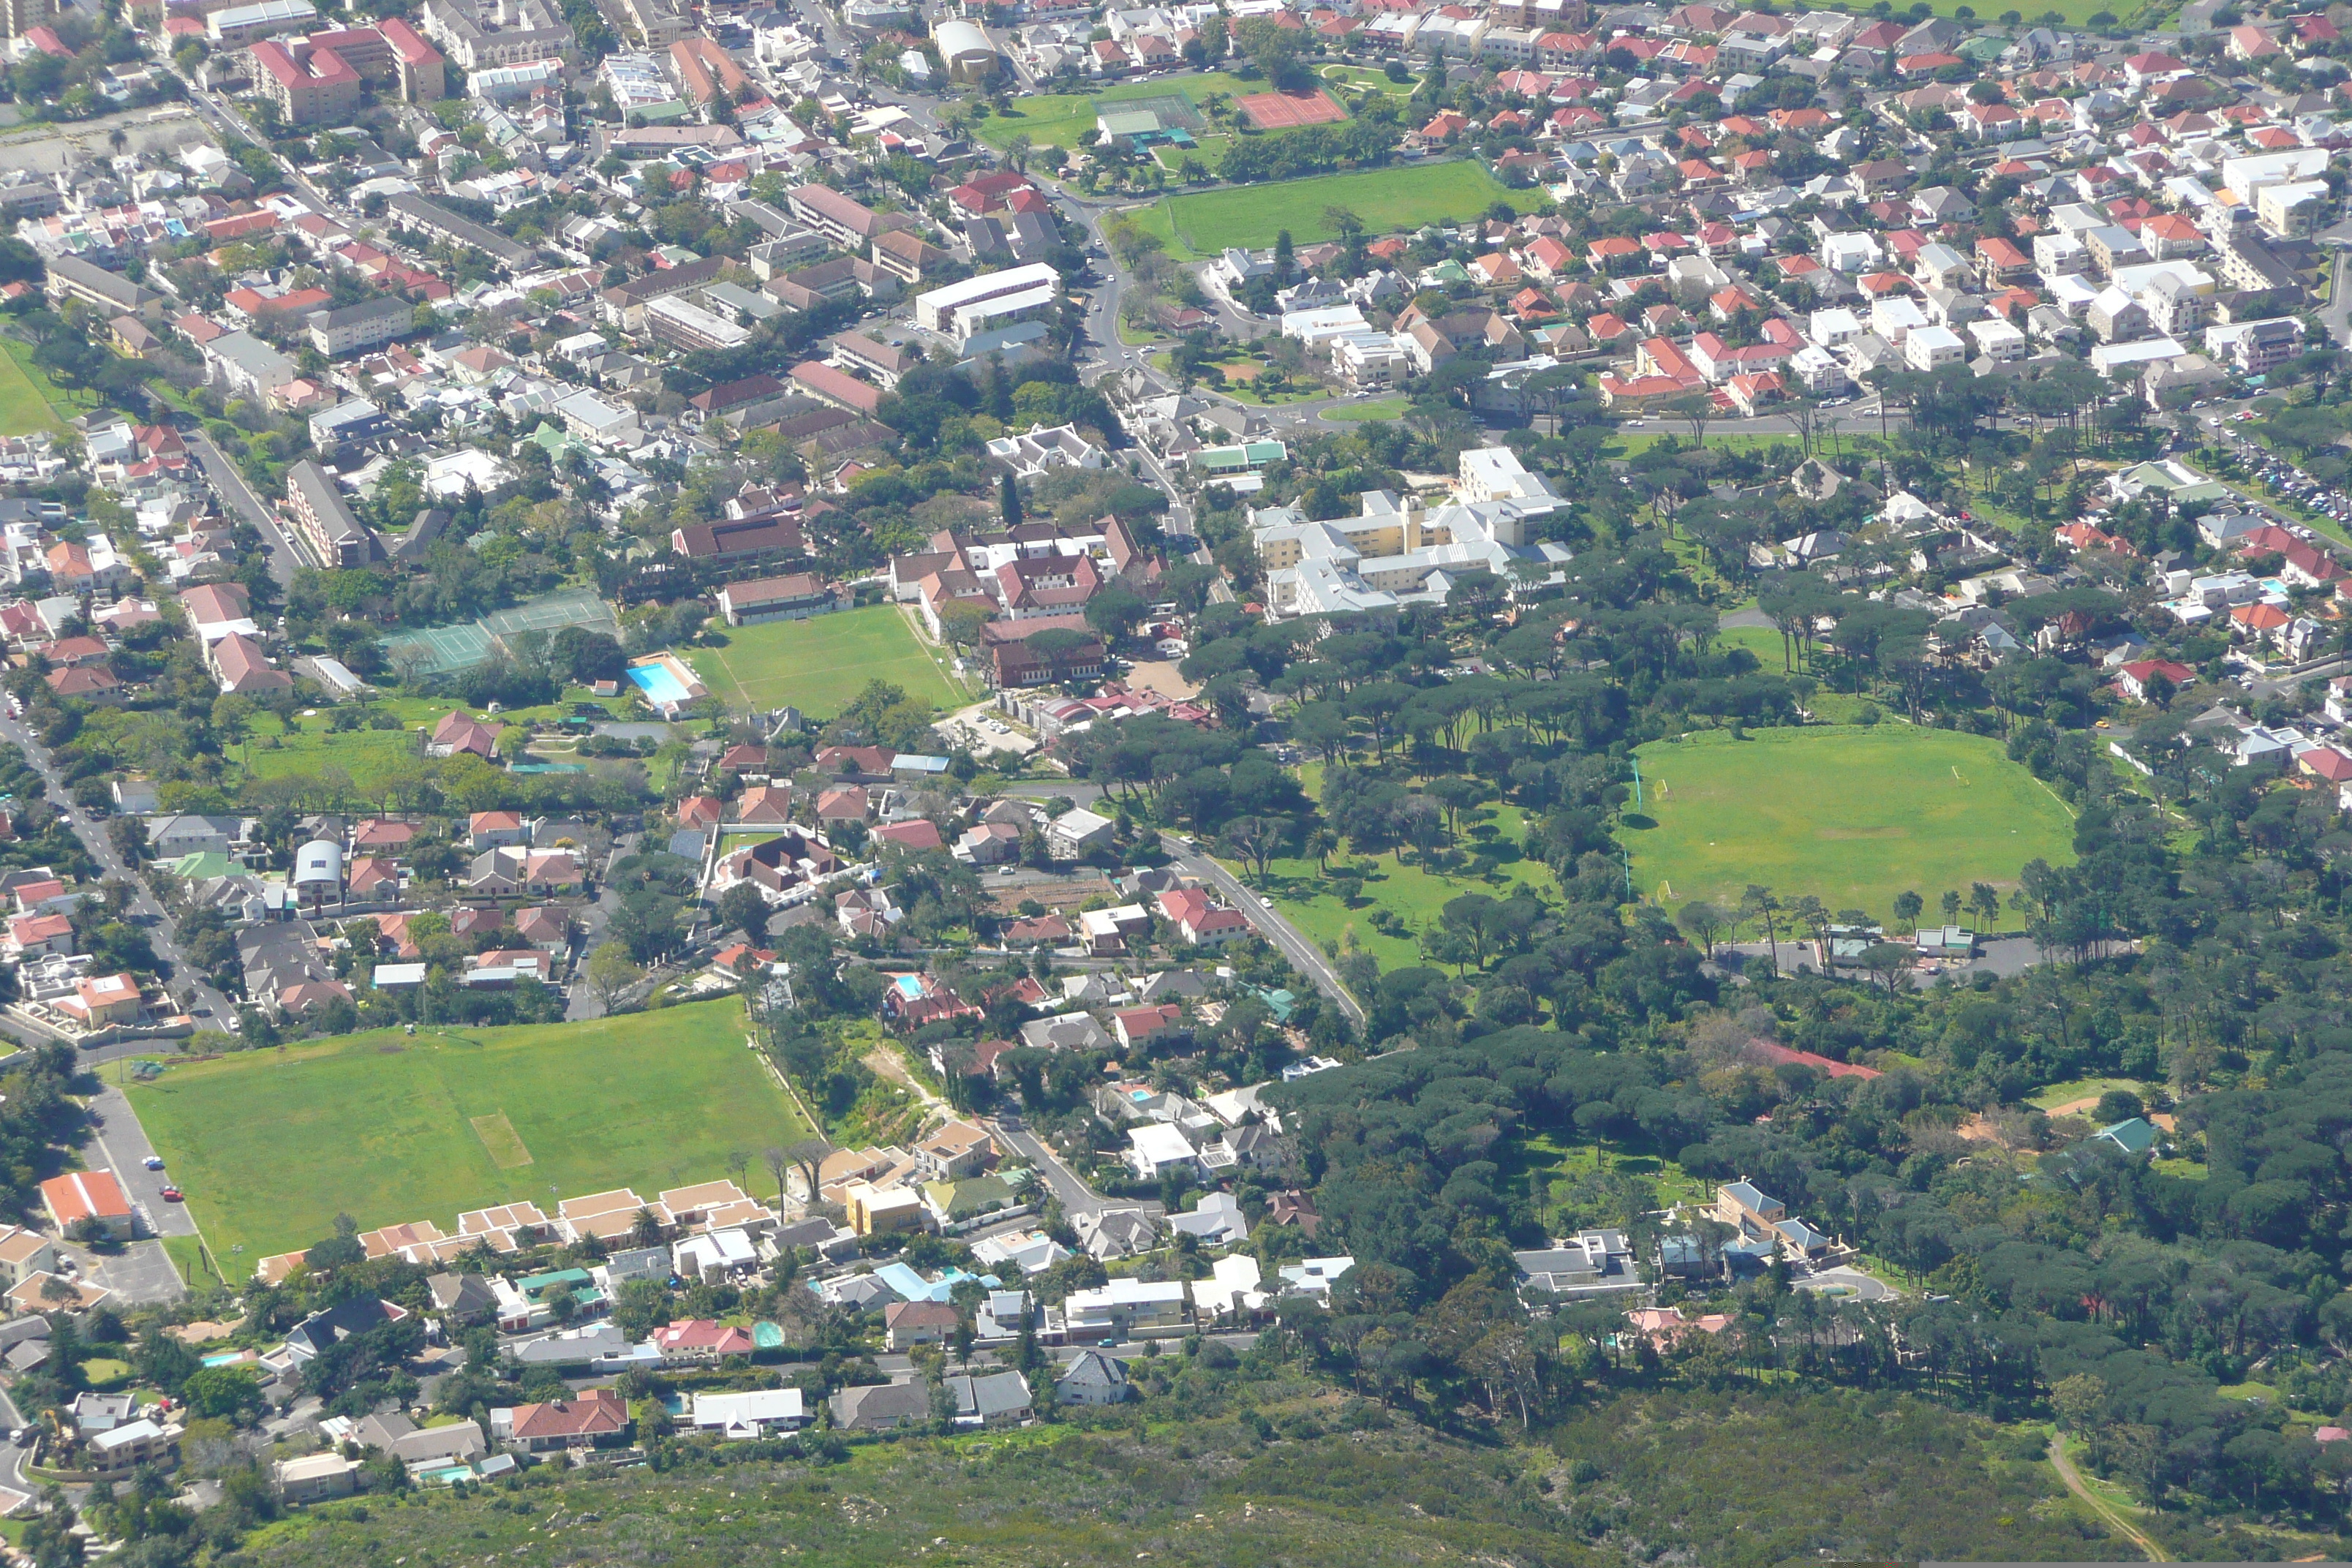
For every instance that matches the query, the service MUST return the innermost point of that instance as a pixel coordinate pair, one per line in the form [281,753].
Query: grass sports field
[820,665]
[1205,222]
[1065,119]
[270,1146]
[1853,816]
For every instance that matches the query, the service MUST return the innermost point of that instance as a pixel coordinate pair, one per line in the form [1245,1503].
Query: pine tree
[1008,500]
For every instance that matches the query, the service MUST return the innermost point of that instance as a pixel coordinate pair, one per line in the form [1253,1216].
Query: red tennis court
[1285,110]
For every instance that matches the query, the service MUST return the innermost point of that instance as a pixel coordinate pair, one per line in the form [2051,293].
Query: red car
[171,1194]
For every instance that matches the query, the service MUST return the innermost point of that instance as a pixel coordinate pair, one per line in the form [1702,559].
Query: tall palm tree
[1319,844]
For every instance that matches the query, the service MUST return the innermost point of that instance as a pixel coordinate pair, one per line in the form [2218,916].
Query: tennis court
[573,607]
[1175,111]
[448,650]
[1288,110]
[438,650]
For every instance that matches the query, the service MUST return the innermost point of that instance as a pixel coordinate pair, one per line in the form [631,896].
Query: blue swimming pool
[659,683]
[910,985]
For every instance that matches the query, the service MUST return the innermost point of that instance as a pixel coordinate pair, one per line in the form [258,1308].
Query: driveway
[1851,1284]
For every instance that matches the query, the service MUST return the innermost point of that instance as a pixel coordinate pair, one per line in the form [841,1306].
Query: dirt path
[2108,1513]
[886,1061]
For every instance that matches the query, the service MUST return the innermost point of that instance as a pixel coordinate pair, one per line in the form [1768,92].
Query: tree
[1695,411]
[1907,908]
[1703,921]
[741,908]
[1008,500]
[1759,904]
[1115,613]
[1256,839]
[1984,902]
[1320,842]
[1885,960]
[1951,905]
[611,971]
[806,1156]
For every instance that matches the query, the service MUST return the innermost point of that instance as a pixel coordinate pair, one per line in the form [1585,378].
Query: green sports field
[1203,223]
[820,665]
[1853,816]
[270,1146]
[1066,119]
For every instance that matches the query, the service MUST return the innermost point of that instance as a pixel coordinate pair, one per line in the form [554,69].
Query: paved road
[187,982]
[583,1003]
[284,556]
[1304,956]
[123,1146]
[1076,1196]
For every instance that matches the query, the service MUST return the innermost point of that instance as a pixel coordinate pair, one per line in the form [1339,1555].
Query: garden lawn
[820,665]
[1066,119]
[2076,1089]
[29,400]
[373,758]
[1852,815]
[1203,223]
[1371,408]
[272,1145]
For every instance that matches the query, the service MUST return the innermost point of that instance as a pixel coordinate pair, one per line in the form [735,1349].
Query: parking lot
[2282,476]
[984,730]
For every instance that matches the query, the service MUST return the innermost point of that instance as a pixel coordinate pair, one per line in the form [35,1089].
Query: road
[193,989]
[1075,1196]
[1304,956]
[230,485]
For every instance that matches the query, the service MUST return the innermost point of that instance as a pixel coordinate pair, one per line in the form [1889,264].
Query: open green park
[271,1146]
[29,400]
[1201,223]
[1851,815]
[1401,892]
[821,664]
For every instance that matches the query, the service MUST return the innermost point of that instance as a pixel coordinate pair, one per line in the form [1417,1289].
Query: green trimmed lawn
[1853,816]
[372,757]
[820,665]
[272,1145]
[1371,408]
[29,400]
[1202,223]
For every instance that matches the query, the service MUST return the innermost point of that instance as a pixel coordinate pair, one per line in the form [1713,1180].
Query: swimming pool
[660,684]
[909,985]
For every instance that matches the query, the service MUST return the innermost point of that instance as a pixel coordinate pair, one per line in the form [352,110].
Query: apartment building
[315,508]
[355,327]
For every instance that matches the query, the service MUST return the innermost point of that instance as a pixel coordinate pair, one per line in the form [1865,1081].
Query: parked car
[154,1162]
[171,1194]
